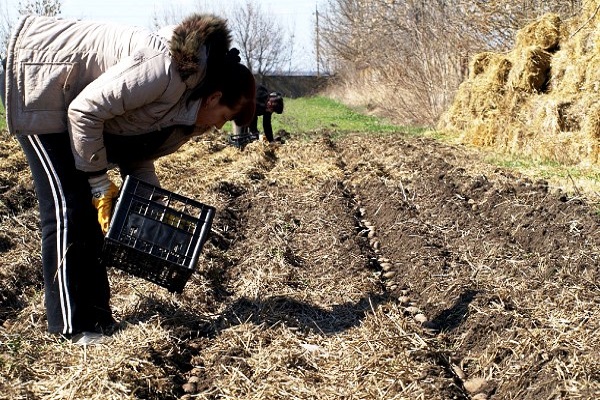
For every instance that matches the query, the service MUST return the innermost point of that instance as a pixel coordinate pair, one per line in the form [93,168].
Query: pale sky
[297,16]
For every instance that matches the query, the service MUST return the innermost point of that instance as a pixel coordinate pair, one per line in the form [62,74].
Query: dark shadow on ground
[269,311]
[298,314]
[454,316]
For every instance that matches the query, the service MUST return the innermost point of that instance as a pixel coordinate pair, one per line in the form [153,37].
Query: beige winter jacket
[86,78]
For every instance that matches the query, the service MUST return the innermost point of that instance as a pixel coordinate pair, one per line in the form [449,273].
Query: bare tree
[169,14]
[264,45]
[409,56]
[172,13]
[25,7]
[40,7]
[5,26]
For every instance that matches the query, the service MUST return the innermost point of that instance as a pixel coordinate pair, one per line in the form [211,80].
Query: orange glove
[104,191]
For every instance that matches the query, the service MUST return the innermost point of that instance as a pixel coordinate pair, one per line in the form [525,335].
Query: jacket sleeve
[267,127]
[134,82]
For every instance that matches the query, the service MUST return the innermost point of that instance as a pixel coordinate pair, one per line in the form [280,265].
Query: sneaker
[87,338]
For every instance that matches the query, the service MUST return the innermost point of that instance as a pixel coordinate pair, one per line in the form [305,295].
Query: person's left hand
[104,191]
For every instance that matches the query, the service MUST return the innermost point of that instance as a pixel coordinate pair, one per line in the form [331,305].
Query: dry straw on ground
[371,267]
[541,99]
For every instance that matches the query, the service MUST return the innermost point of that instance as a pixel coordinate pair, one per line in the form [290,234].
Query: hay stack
[541,99]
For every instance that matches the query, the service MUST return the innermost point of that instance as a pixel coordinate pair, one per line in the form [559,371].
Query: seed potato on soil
[290,300]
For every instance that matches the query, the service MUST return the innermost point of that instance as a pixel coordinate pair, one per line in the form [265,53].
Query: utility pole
[317,38]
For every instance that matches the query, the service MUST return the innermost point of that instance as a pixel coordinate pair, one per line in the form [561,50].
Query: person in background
[82,97]
[267,103]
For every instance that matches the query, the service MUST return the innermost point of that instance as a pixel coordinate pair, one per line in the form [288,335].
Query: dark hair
[234,81]
[276,100]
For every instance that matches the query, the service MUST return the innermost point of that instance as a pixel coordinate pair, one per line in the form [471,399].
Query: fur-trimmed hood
[195,40]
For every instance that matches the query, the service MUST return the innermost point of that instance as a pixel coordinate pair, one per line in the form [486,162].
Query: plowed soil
[361,267]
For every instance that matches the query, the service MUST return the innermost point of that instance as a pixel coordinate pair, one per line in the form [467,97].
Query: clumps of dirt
[476,255]
[540,98]
[356,267]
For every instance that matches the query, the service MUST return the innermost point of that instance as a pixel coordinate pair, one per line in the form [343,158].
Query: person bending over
[267,103]
[81,96]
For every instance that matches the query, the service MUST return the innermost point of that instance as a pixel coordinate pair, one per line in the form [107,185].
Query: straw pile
[541,98]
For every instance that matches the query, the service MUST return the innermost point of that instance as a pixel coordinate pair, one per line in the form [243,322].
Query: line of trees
[402,58]
[266,47]
[24,7]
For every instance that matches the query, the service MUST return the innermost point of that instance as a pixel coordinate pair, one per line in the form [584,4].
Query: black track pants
[75,285]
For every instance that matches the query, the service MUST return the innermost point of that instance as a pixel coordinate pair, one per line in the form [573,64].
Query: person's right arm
[267,127]
[129,85]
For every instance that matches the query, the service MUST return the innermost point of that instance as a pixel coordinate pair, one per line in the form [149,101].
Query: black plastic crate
[156,235]
[241,140]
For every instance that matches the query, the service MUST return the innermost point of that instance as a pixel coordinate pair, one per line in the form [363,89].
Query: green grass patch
[544,169]
[2,118]
[575,180]
[307,115]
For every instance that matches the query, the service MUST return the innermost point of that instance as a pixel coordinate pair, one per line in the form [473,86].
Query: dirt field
[382,267]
